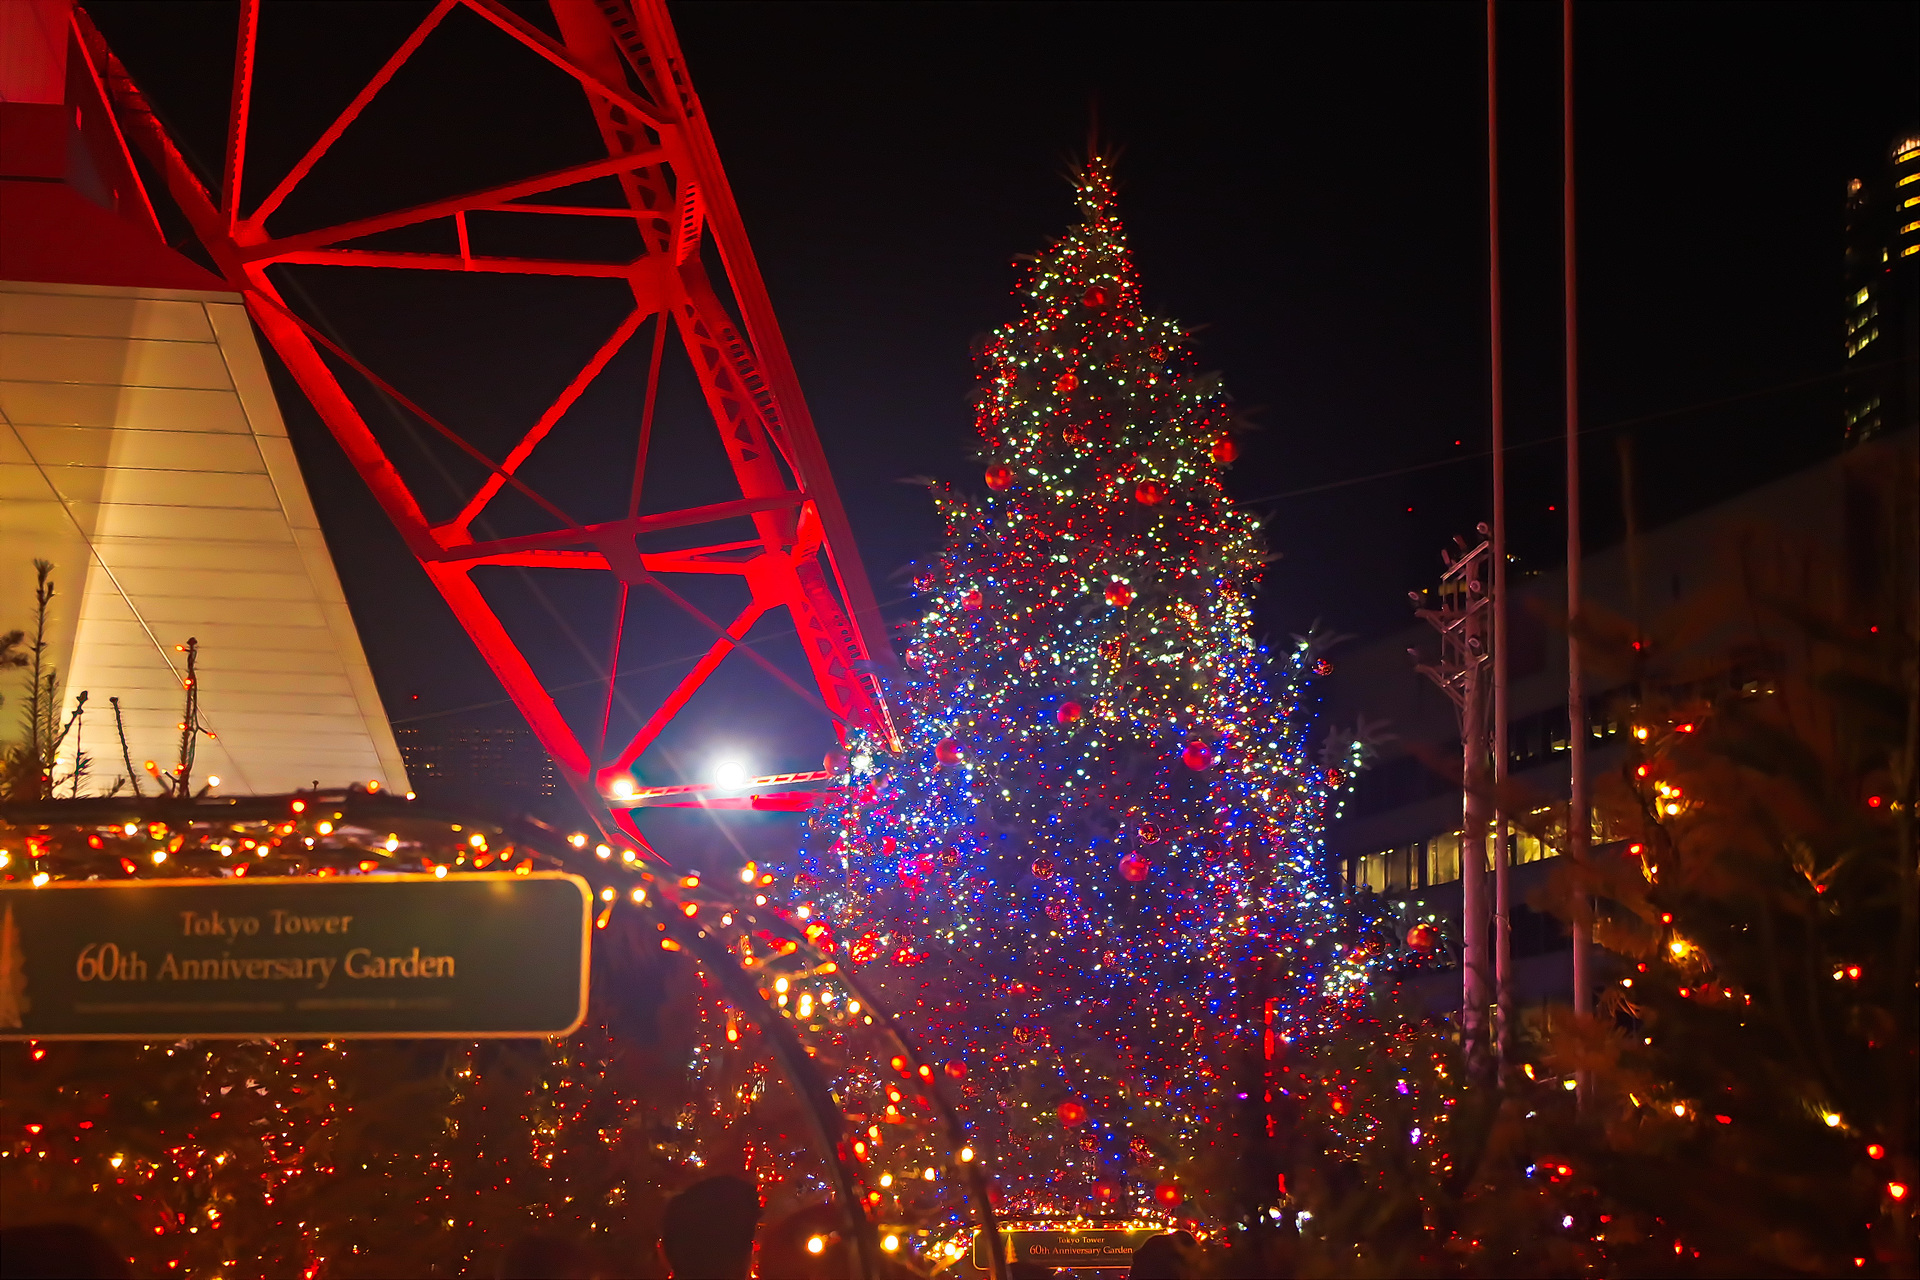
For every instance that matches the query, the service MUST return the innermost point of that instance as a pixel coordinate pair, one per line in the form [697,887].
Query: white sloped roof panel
[142,451]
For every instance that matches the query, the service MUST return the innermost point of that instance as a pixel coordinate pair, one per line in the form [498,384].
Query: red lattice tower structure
[673,193]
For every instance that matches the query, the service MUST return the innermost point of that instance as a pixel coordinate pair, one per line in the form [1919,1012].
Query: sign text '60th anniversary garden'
[473,955]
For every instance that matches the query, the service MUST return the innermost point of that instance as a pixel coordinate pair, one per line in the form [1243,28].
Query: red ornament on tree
[1134,868]
[865,949]
[999,478]
[1068,713]
[1119,594]
[1225,450]
[1150,493]
[1043,868]
[972,599]
[1066,382]
[1106,1192]
[1197,756]
[1095,297]
[1423,938]
[1323,668]
[1071,1114]
[1147,833]
[1168,1194]
[956,1070]
[947,751]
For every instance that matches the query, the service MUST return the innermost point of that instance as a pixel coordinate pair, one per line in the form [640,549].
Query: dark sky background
[1303,181]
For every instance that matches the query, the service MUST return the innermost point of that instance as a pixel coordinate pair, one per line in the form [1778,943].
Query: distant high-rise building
[1883,295]
[496,766]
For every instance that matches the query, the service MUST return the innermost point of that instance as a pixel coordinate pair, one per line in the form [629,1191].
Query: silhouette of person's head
[1160,1258]
[707,1232]
[59,1251]
[543,1257]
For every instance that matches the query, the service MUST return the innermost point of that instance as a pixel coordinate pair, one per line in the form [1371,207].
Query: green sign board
[467,956]
[1089,1248]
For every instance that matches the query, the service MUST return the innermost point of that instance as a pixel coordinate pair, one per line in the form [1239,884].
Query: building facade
[493,766]
[1399,836]
[1882,295]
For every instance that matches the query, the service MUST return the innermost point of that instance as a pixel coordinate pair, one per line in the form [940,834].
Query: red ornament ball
[1198,755]
[1335,777]
[1168,1194]
[1071,1114]
[956,1070]
[1119,594]
[999,478]
[947,751]
[1423,938]
[1225,450]
[1134,868]
[1105,1191]
[972,599]
[1147,833]
[1095,297]
[1068,713]
[1323,668]
[1066,382]
[1043,868]
[1150,493]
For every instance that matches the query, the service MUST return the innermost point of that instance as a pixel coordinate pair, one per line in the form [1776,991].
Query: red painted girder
[664,162]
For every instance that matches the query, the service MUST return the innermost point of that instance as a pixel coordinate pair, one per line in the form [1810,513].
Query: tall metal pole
[1579,830]
[1475,992]
[1502,890]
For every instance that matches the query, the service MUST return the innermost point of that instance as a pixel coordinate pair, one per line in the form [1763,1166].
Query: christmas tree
[1095,861]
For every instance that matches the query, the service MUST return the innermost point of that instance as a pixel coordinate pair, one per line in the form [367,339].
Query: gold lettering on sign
[292,922]
[362,963]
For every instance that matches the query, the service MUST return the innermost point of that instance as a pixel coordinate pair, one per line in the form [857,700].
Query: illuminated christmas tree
[1096,861]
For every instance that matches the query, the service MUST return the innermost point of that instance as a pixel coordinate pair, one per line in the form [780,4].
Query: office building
[498,767]
[1882,295]
[1400,835]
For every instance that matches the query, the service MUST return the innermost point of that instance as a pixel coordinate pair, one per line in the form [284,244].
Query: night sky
[1304,183]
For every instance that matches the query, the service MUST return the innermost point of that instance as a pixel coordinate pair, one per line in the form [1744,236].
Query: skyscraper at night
[1882,290]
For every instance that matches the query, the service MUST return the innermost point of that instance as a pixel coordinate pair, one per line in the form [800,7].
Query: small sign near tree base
[468,956]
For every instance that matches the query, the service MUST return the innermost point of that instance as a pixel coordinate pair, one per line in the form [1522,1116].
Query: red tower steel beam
[625,59]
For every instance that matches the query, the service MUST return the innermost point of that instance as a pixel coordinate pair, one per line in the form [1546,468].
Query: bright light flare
[730,772]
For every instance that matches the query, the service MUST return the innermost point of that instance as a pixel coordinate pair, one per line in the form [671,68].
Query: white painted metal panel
[142,451]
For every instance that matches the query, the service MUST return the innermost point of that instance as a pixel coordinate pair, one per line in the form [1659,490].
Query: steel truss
[801,557]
